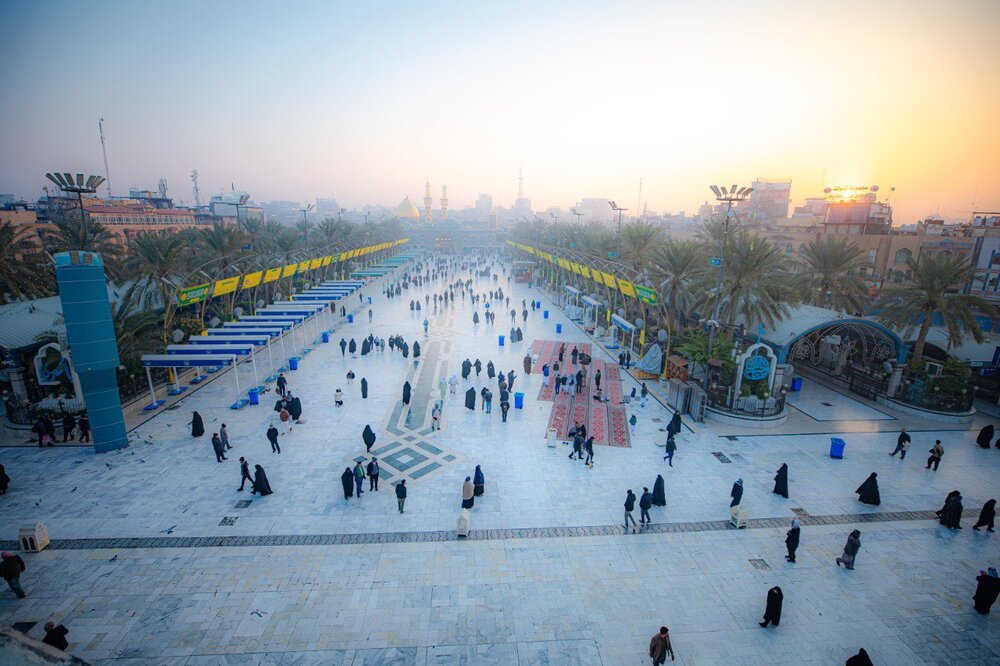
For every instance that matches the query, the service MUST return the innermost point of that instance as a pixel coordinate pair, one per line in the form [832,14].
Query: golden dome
[406,210]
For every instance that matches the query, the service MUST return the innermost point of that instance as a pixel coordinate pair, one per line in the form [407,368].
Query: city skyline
[365,105]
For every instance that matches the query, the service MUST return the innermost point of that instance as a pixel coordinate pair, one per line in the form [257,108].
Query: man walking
[224,436]
[670,449]
[245,473]
[597,380]
[272,436]
[11,568]
[659,647]
[629,508]
[84,425]
[589,447]
[935,457]
[792,540]
[283,383]
[373,472]
[401,494]
[645,502]
[902,444]
[436,417]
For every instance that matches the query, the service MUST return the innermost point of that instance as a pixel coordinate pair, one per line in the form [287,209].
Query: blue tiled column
[83,291]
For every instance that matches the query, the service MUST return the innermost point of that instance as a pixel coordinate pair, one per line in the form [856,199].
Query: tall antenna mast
[520,183]
[638,204]
[104,150]
[194,182]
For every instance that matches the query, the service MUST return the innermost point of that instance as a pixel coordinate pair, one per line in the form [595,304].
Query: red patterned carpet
[607,422]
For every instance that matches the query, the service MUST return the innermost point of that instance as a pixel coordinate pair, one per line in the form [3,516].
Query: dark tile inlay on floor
[242,504]
[475,535]
[721,456]
[760,564]
[228,520]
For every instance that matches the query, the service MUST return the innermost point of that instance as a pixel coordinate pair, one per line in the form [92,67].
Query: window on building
[872,255]
[902,256]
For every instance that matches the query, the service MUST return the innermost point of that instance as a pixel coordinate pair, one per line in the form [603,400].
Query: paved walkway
[154,563]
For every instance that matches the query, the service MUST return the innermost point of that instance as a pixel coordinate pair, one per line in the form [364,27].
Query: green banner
[193,295]
[646,295]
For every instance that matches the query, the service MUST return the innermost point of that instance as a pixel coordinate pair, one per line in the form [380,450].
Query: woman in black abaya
[868,491]
[470,399]
[364,388]
[781,481]
[951,514]
[352,347]
[406,393]
[347,480]
[659,496]
[985,437]
[197,425]
[260,482]
[772,613]
[986,516]
[369,437]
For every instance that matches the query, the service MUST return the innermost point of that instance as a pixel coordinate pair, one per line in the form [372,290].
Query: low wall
[928,414]
[18,648]
[761,422]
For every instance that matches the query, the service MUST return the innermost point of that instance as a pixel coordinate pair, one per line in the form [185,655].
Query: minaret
[428,202]
[444,202]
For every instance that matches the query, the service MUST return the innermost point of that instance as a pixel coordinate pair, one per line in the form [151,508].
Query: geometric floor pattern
[475,535]
[412,452]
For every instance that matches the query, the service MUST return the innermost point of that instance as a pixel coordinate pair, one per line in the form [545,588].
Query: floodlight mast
[619,209]
[79,186]
[304,211]
[722,195]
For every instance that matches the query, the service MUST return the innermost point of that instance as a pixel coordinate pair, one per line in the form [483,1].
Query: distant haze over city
[364,102]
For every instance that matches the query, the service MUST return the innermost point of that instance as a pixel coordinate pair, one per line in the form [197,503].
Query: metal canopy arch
[861,341]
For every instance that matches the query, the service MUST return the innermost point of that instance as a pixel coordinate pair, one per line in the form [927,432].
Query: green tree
[24,271]
[639,241]
[72,234]
[676,268]
[158,261]
[756,287]
[933,293]
[830,277]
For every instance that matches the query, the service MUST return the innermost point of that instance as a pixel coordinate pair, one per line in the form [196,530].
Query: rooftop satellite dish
[640,323]
[177,335]
[621,312]
[214,322]
[661,336]
[261,303]
[238,311]
[278,296]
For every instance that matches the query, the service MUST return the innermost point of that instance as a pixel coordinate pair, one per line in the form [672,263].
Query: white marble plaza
[550,599]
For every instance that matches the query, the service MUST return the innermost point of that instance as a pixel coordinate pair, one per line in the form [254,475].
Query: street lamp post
[240,201]
[728,197]
[304,211]
[77,185]
[618,236]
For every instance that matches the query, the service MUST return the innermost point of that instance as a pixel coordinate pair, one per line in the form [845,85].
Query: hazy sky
[363,101]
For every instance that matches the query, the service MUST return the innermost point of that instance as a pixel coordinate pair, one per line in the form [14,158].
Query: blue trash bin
[558,328]
[500,337]
[253,396]
[350,319]
[545,370]
[293,363]
[797,384]
[837,447]
[326,336]
[545,314]
[538,304]
[369,300]
[518,401]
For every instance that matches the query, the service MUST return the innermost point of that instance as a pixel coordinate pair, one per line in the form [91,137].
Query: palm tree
[24,271]
[72,234]
[639,240]
[676,267]
[755,287]
[136,327]
[156,261]
[933,293]
[831,278]
[305,229]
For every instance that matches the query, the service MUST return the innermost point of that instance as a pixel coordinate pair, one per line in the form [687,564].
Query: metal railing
[919,396]
[721,400]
